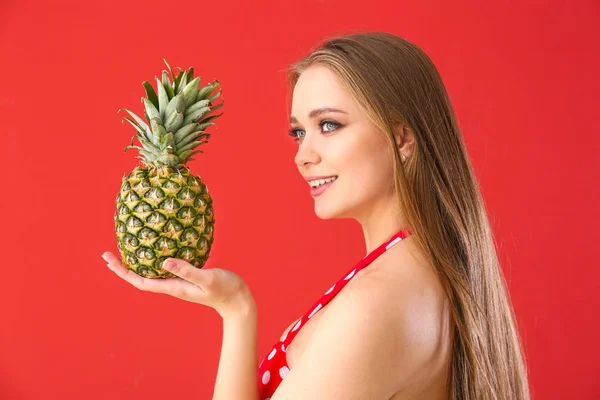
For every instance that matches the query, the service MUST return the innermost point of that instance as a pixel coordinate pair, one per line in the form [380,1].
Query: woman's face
[341,144]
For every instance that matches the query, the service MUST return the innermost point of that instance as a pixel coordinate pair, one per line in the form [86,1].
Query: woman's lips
[317,191]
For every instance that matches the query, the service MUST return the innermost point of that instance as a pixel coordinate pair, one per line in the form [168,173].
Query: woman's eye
[298,134]
[333,125]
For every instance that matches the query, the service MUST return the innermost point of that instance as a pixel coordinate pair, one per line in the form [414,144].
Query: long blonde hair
[395,82]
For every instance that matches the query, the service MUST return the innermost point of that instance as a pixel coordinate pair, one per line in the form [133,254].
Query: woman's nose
[307,154]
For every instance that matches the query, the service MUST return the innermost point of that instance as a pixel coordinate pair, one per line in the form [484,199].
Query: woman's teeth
[320,182]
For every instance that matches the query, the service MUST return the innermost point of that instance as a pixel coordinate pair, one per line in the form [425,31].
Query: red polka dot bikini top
[273,368]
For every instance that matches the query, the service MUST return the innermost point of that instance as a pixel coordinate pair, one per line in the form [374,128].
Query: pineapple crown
[177,114]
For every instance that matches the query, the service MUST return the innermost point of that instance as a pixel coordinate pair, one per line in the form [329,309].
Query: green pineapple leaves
[177,81]
[139,123]
[195,115]
[190,91]
[167,84]
[169,68]
[207,90]
[174,113]
[150,93]
[196,106]
[163,98]
[184,132]
[151,111]
[177,114]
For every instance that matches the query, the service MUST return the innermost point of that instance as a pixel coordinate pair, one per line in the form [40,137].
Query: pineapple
[163,210]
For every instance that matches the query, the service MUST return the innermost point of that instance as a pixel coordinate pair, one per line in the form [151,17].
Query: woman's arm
[228,294]
[237,374]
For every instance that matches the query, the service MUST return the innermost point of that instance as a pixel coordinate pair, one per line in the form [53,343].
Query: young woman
[426,313]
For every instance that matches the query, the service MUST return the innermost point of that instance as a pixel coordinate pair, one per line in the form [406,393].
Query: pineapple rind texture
[162,213]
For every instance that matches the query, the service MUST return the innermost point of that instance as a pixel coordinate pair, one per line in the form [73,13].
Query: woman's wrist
[242,306]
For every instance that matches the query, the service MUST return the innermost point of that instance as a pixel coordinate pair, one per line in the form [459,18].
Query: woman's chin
[326,212]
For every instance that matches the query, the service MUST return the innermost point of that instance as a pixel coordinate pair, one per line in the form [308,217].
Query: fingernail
[104,256]
[168,264]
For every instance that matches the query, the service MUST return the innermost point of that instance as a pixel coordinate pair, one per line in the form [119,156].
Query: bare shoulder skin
[385,336]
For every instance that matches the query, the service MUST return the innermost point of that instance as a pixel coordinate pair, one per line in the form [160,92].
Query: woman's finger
[188,272]
[149,285]
[126,274]
[174,287]
[110,257]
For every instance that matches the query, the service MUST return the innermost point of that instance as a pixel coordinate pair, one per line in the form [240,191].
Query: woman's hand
[223,290]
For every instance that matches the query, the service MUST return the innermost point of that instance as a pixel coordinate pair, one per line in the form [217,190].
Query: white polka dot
[266,377]
[283,348]
[283,371]
[272,354]
[317,308]
[350,275]
[329,291]
[393,242]
[297,325]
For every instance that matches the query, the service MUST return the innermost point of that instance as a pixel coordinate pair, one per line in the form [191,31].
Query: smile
[320,182]
[318,186]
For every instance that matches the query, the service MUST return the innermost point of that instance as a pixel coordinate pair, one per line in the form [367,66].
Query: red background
[523,77]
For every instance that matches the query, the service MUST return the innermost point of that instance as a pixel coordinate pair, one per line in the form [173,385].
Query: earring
[403,157]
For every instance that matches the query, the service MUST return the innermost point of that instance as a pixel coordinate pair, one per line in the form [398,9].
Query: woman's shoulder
[390,321]
[401,293]
[406,287]
[402,275]
[378,336]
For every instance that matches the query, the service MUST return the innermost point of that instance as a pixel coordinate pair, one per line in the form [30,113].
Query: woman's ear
[405,141]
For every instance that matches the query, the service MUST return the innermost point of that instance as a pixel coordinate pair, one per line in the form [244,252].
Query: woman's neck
[380,225]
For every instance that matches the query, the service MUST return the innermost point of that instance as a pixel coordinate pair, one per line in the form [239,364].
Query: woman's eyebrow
[318,111]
